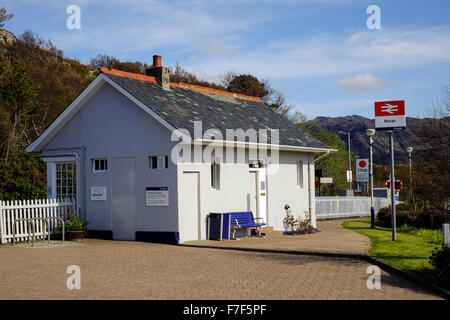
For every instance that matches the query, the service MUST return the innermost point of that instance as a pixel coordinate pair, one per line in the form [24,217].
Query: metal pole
[410,191]
[393,221]
[349,163]
[372,210]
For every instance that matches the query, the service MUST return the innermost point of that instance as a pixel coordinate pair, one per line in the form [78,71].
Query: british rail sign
[390,115]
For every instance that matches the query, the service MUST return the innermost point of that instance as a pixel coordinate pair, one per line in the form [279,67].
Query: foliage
[110,62]
[430,236]
[409,252]
[18,97]
[178,74]
[431,180]
[406,215]
[335,164]
[440,260]
[296,226]
[36,84]
[73,223]
[4,16]
[22,177]
[290,223]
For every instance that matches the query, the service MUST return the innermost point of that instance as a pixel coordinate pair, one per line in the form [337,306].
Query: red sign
[398,185]
[362,164]
[390,108]
[390,115]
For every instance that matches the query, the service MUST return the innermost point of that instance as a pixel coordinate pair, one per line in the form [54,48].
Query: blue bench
[245,220]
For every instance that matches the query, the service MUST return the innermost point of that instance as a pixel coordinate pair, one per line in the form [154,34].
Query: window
[215,175]
[300,174]
[66,180]
[159,162]
[99,165]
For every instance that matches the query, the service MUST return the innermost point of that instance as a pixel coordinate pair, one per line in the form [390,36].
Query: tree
[110,62]
[335,164]
[431,179]
[4,16]
[18,95]
[178,74]
[250,85]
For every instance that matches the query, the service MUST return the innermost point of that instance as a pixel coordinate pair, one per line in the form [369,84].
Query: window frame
[105,166]
[300,175]
[166,162]
[215,175]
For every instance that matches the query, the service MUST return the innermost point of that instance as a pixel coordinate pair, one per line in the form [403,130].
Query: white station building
[116,150]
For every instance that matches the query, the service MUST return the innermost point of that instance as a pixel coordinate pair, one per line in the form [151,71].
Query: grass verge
[410,252]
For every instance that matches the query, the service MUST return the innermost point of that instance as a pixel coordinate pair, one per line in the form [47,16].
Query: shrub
[297,226]
[440,260]
[405,214]
[429,219]
[402,217]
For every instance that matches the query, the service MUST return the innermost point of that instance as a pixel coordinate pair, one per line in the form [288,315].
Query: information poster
[98,193]
[157,196]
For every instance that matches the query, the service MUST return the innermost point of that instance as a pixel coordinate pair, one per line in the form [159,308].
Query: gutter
[259,145]
[311,195]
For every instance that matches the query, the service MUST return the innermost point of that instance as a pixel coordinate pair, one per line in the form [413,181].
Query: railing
[32,209]
[32,231]
[346,207]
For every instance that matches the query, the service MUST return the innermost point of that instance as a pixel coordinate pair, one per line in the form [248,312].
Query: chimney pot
[160,73]
[156,61]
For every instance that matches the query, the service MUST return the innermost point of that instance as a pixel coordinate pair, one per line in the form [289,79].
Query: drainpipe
[310,182]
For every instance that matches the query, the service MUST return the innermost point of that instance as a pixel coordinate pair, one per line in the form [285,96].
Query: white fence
[345,207]
[26,209]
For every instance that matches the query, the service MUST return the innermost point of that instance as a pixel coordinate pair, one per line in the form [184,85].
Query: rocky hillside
[412,136]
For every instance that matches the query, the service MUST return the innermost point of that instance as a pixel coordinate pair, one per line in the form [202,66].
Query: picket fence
[347,207]
[26,209]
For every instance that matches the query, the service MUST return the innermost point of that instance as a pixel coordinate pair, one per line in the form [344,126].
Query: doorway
[258,193]
[189,207]
[123,198]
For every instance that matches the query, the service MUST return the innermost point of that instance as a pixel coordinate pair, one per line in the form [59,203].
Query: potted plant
[74,227]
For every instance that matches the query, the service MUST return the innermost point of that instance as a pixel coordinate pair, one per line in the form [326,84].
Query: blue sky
[319,53]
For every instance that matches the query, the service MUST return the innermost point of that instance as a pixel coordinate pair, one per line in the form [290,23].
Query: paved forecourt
[136,270]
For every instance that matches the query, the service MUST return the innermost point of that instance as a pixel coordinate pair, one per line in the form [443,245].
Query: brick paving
[333,238]
[136,270]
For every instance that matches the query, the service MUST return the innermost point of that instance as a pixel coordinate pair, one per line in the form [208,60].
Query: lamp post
[410,150]
[349,159]
[370,133]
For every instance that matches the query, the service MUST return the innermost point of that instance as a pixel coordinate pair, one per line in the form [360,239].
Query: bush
[402,216]
[440,260]
[429,219]
[406,215]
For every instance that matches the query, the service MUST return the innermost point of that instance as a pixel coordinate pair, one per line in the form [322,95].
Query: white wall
[108,126]
[235,185]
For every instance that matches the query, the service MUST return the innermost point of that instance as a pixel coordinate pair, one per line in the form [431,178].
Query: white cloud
[365,81]
[332,54]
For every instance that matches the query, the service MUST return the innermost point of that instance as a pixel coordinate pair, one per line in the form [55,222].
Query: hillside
[412,136]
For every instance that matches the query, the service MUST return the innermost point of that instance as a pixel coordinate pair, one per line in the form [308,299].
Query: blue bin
[219,226]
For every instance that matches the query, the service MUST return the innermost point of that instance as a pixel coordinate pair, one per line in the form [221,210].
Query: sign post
[390,115]
[362,170]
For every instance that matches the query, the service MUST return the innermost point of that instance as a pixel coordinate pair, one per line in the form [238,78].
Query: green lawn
[411,251]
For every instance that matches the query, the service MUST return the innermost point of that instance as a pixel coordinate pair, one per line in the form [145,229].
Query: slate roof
[180,107]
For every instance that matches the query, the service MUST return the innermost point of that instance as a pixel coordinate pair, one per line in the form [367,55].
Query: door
[189,207]
[253,195]
[123,198]
[258,193]
[262,194]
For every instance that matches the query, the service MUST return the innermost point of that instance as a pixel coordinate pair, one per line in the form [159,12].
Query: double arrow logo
[389,108]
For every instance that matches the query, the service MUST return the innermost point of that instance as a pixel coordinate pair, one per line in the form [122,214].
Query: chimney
[160,73]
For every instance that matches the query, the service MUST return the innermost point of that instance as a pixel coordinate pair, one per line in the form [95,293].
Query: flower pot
[75,234]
